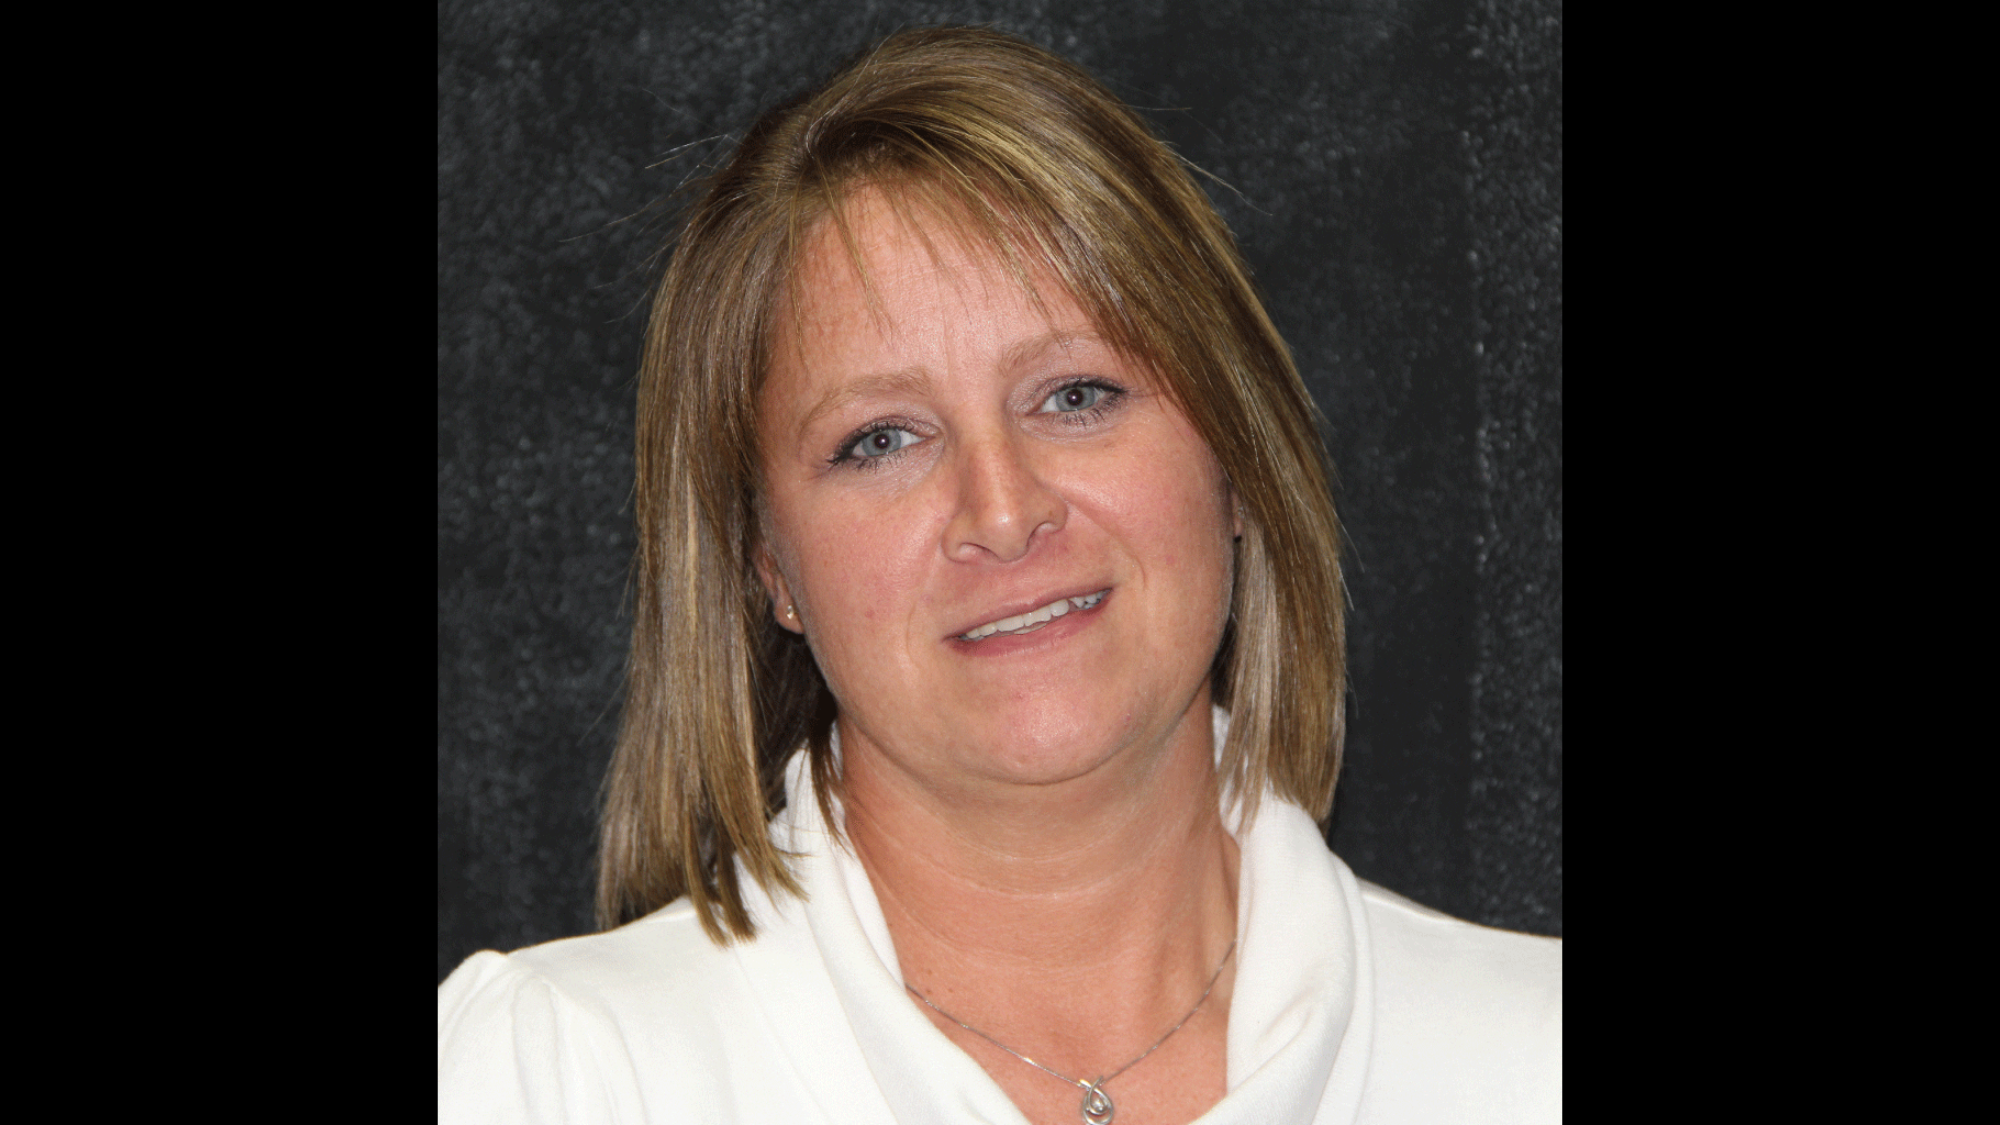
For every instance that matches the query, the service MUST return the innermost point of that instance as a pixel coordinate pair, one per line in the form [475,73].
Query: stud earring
[791,613]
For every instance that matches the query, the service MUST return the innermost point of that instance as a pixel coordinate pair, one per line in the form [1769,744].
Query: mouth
[1035,618]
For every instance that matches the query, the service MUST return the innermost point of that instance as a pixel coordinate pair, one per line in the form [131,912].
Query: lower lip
[1054,633]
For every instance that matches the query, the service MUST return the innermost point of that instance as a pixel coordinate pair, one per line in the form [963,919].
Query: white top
[1352,1004]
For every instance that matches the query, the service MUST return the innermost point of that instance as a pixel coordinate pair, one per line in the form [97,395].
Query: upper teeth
[1034,619]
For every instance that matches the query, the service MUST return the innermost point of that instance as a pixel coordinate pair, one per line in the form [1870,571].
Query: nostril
[1002,505]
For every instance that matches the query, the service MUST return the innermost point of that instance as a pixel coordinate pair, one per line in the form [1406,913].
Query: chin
[1052,746]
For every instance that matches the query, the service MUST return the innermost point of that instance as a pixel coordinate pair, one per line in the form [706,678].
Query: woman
[970,465]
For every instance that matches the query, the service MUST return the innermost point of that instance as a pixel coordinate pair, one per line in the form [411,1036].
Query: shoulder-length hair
[1026,151]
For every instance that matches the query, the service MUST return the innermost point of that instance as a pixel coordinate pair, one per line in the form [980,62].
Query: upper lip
[1018,606]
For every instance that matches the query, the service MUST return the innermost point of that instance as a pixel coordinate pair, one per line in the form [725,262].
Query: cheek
[1173,517]
[857,569]
[1173,505]
[1203,538]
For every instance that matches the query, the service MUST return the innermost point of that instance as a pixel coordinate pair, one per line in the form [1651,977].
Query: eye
[1079,396]
[881,443]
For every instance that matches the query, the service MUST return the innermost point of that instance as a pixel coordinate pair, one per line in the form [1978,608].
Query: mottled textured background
[1397,186]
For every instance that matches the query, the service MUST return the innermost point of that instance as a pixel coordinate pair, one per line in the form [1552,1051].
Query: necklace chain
[1097,1107]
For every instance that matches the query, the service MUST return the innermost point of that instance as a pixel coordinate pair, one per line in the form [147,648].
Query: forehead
[890,298]
[886,268]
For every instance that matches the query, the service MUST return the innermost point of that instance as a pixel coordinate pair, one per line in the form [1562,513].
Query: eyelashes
[1075,402]
[874,443]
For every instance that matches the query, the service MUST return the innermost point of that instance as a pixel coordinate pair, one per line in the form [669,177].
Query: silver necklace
[1097,1107]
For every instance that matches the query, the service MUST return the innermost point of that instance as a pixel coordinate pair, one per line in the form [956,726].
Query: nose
[1002,504]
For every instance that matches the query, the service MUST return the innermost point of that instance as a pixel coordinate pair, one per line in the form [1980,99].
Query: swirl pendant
[1097,1107]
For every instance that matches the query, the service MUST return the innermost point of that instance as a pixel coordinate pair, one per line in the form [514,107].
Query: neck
[1014,900]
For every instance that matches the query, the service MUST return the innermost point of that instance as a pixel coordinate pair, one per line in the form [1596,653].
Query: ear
[783,607]
[1235,511]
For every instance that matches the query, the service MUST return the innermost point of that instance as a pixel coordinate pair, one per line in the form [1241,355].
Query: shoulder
[550,1033]
[1485,1003]
[660,968]
[1476,963]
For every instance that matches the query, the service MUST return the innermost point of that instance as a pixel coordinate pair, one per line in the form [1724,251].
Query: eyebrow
[913,382]
[910,382]
[1034,347]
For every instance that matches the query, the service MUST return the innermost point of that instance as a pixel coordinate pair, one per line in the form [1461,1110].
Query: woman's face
[1010,552]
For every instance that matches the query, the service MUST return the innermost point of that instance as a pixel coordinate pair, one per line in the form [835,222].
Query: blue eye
[1082,396]
[881,443]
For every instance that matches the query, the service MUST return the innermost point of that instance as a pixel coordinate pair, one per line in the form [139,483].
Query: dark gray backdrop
[1399,169]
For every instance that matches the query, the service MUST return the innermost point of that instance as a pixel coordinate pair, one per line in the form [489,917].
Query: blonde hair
[1027,151]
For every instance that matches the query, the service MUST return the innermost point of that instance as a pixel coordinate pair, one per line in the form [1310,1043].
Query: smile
[1033,619]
